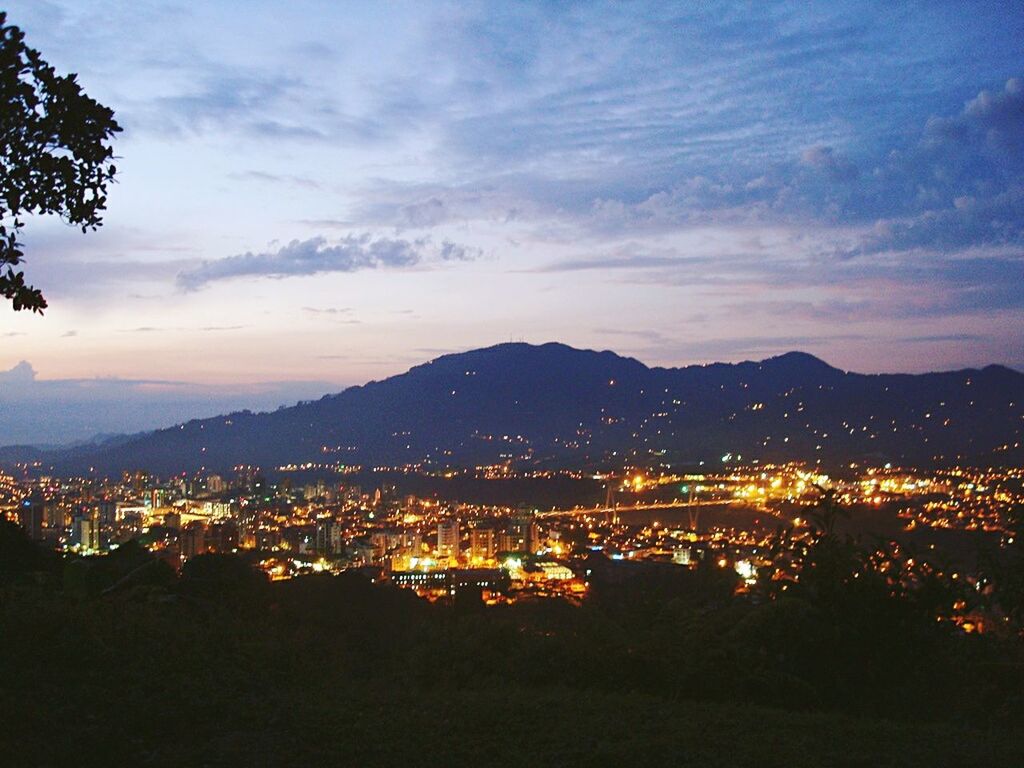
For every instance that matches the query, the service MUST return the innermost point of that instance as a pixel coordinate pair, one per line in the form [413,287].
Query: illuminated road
[637,508]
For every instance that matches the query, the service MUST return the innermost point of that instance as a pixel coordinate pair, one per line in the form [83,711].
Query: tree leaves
[55,154]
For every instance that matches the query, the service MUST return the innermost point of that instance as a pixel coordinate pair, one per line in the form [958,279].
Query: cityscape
[753,521]
[480,383]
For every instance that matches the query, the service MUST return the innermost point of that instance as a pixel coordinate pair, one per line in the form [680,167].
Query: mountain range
[552,406]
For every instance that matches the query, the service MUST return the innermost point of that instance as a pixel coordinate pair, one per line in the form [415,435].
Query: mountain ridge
[554,405]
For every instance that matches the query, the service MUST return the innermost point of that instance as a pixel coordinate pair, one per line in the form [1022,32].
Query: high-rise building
[448,538]
[328,537]
[54,515]
[107,511]
[481,543]
[193,539]
[222,536]
[505,542]
[525,533]
[87,532]
[30,516]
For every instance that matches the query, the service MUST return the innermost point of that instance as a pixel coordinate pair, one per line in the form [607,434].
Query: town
[753,521]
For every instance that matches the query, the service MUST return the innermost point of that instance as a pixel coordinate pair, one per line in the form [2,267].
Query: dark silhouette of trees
[827,511]
[55,155]
[18,553]
[1005,569]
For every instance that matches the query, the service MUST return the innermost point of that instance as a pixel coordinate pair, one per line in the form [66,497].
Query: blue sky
[317,194]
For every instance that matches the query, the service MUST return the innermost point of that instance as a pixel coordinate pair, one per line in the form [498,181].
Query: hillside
[553,405]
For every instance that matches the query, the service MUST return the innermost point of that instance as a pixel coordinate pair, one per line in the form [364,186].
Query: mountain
[552,405]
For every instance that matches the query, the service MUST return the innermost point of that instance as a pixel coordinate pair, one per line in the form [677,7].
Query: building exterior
[193,539]
[30,516]
[87,532]
[328,537]
[448,538]
[481,544]
[523,534]
[215,484]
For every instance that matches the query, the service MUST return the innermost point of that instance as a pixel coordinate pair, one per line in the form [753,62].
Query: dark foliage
[217,666]
[19,555]
[55,155]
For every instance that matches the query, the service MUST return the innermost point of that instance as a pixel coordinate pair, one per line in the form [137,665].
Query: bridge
[617,510]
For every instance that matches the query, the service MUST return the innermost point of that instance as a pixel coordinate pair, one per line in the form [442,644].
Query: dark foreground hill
[120,660]
[553,405]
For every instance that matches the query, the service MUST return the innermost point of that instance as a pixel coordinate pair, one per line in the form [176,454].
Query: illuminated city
[750,520]
[482,383]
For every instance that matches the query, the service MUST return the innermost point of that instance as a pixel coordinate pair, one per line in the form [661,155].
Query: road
[580,512]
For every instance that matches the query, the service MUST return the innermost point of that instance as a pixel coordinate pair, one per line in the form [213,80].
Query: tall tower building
[448,538]
[30,516]
[87,532]
[481,543]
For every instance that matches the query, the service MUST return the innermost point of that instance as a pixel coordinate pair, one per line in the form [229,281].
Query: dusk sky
[312,195]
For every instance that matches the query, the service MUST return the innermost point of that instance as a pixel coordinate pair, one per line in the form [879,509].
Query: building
[107,511]
[54,515]
[222,536]
[491,579]
[481,543]
[523,534]
[87,532]
[30,516]
[555,571]
[193,539]
[448,538]
[328,537]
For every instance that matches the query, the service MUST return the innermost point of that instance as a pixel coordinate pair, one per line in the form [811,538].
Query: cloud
[339,315]
[201,329]
[245,101]
[21,374]
[996,116]
[276,178]
[617,262]
[450,251]
[54,411]
[428,213]
[327,310]
[316,255]
[733,347]
[652,337]
[826,159]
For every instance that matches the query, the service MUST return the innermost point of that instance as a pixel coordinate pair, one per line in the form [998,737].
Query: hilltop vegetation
[122,659]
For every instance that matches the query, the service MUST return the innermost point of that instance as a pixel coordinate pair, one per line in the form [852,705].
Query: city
[753,521]
[480,383]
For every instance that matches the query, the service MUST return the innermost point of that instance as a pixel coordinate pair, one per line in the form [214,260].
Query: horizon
[128,407]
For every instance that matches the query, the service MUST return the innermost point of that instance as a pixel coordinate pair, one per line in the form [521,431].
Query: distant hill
[552,405]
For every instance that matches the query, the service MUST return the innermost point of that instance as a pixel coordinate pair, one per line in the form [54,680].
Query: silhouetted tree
[18,553]
[1006,569]
[826,511]
[222,576]
[54,155]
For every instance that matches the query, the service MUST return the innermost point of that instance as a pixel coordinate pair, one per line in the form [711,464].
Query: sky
[315,194]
